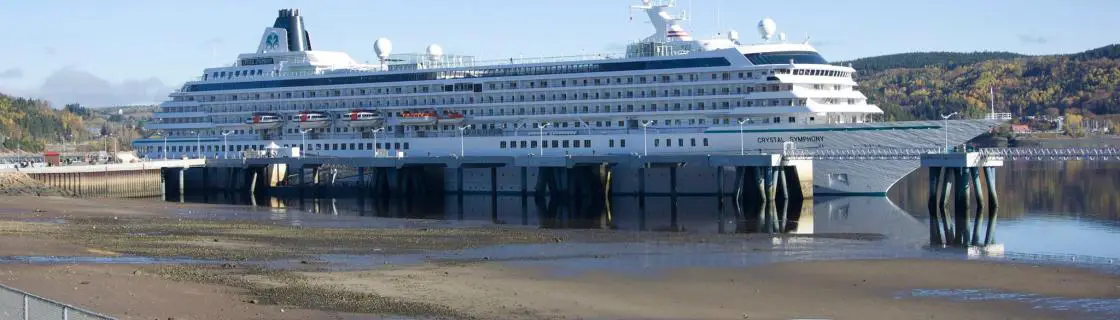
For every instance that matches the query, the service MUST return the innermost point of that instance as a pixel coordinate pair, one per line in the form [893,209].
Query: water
[1096,308]
[1046,208]
[1061,209]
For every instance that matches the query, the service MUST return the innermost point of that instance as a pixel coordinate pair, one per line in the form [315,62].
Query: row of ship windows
[310,146]
[477,87]
[528,144]
[583,109]
[564,96]
[565,110]
[468,74]
[235,74]
[598,124]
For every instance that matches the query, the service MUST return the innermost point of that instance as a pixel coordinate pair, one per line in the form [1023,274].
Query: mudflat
[259,269]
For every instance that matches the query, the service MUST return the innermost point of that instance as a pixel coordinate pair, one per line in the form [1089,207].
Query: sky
[113,52]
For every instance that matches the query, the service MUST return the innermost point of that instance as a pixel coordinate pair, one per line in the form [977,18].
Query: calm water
[1066,209]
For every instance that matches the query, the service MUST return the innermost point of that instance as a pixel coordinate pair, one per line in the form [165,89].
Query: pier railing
[1038,154]
[18,304]
[1053,154]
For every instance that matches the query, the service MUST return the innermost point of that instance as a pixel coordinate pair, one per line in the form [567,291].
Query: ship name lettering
[790,139]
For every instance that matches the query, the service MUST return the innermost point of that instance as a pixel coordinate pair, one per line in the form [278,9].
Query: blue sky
[129,49]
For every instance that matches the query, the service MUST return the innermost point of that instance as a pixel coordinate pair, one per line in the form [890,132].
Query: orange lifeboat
[418,117]
[453,118]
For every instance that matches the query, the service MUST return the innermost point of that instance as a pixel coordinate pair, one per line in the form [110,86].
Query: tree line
[927,84]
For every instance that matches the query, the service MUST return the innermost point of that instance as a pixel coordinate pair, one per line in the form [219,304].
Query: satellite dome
[382,47]
[435,51]
[733,35]
[766,28]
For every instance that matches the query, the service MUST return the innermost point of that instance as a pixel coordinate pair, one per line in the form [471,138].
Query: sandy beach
[258,269]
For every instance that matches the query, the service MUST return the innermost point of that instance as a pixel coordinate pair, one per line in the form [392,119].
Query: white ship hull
[830,177]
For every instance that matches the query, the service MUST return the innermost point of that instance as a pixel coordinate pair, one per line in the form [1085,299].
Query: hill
[924,85]
[926,59]
[29,124]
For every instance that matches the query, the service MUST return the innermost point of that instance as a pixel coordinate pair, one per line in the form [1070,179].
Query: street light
[374,131]
[645,143]
[303,142]
[742,146]
[197,143]
[225,144]
[541,136]
[164,133]
[946,128]
[461,149]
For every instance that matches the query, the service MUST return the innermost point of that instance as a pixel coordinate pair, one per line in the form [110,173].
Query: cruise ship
[669,93]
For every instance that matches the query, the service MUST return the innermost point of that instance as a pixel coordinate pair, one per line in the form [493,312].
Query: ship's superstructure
[668,93]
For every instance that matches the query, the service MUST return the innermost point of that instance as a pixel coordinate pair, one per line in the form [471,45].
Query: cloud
[11,73]
[1026,38]
[70,85]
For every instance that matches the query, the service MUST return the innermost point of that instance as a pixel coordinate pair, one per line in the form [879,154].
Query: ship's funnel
[290,20]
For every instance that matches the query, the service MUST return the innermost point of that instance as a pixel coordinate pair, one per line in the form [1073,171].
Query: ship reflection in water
[1045,208]
[700,214]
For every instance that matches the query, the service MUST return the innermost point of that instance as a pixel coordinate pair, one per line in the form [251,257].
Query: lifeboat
[361,118]
[418,117]
[265,120]
[452,118]
[313,120]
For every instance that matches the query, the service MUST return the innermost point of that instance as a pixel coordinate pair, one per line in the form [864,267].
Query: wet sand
[230,280]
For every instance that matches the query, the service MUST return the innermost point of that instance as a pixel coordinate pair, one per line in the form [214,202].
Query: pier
[761,176]
[123,180]
[958,173]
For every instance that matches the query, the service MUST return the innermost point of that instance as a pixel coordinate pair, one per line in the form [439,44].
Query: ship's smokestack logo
[272,41]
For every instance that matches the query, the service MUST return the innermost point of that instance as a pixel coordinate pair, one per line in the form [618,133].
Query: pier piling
[964,170]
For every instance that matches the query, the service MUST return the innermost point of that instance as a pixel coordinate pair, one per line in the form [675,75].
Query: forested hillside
[29,125]
[923,85]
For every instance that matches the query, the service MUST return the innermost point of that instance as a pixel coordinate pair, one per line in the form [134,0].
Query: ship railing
[859,154]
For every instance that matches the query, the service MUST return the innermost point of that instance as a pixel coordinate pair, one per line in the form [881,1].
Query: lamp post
[541,136]
[225,144]
[645,142]
[197,143]
[374,131]
[303,142]
[164,133]
[946,128]
[742,146]
[461,142]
